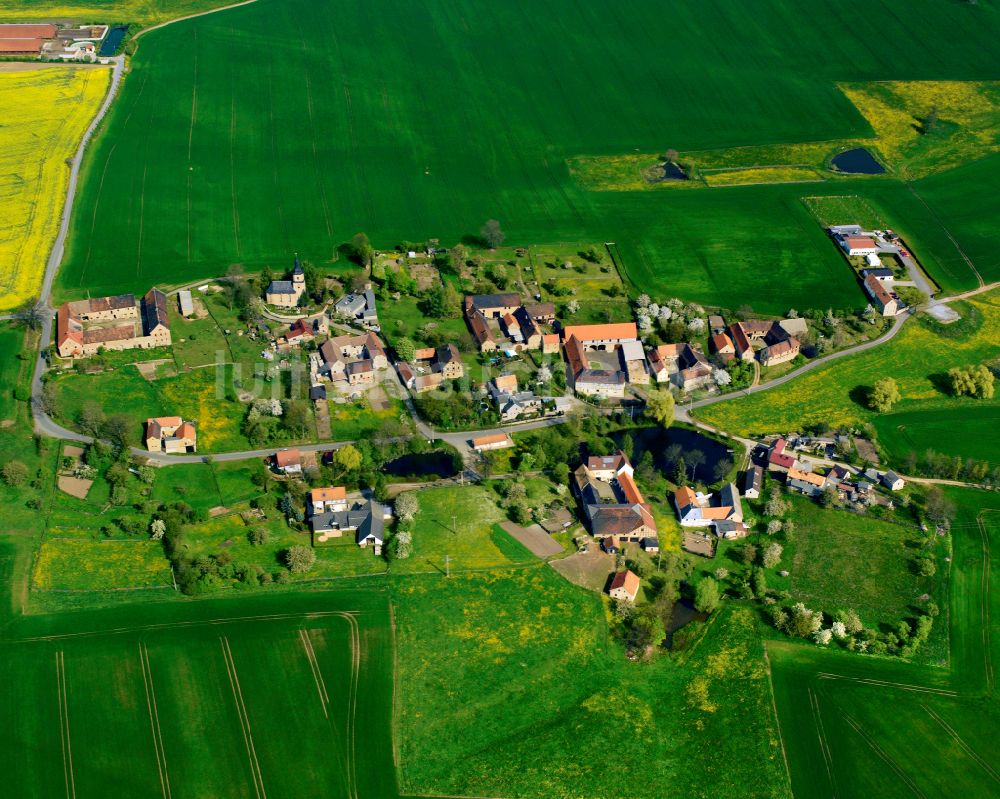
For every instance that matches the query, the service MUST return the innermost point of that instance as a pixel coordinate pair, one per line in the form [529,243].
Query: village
[521,367]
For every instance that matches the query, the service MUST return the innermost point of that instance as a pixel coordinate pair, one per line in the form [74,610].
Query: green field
[119,703]
[918,358]
[246,155]
[859,727]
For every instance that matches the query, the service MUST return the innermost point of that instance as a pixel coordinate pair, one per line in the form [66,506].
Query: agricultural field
[46,112]
[431,135]
[917,358]
[852,726]
[145,12]
[179,676]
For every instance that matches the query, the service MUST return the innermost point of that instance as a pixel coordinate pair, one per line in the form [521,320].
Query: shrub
[299,559]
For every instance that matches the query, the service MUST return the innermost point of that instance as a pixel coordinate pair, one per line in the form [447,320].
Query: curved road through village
[45,425]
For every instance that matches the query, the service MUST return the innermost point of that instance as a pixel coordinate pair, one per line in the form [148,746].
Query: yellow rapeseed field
[64,563]
[43,115]
[750,176]
[145,12]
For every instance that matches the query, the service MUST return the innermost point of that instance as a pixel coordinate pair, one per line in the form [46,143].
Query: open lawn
[45,113]
[841,560]
[854,726]
[202,110]
[64,563]
[917,358]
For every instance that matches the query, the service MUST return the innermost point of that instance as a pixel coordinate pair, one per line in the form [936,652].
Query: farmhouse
[859,245]
[513,404]
[882,274]
[777,459]
[624,585]
[358,307]
[723,346]
[328,500]
[287,293]
[492,306]
[779,343]
[481,331]
[365,520]
[611,501]
[444,363]
[352,360]
[541,312]
[591,382]
[892,481]
[112,323]
[491,442]
[753,482]
[633,362]
[886,300]
[24,39]
[602,337]
[805,482]
[288,461]
[680,364]
[695,509]
[171,434]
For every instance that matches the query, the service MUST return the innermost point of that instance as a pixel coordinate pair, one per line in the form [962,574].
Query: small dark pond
[857,162]
[682,615]
[661,173]
[658,441]
[112,41]
[438,463]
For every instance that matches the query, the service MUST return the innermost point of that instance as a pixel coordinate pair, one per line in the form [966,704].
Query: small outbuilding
[624,585]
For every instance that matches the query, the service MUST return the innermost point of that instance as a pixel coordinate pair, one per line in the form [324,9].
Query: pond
[683,613]
[662,173]
[437,463]
[657,441]
[113,40]
[857,162]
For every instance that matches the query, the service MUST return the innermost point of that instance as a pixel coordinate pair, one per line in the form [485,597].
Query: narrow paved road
[683,413]
[43,424]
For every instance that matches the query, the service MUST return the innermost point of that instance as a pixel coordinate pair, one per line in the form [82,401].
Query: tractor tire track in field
[823,675]
[951,238]
[985,602]
[241,711]
[319,614]
[307,647]
[317,173]
[154,720]
[67,747]
[824,746]
[961,742]
[353,705]
[884,756]
[194,117]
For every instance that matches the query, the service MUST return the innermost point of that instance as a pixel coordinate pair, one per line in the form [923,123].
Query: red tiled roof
[331,494]
[628,580]
[288,457]
[615,330]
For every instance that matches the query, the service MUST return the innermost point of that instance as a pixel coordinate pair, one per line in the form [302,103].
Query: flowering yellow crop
[43,115]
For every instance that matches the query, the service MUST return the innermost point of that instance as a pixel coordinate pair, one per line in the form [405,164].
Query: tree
[296,417]
[237,287]
[401,546]
[407,506]
[774,526]
[31,314]
[706,595]
[572,307]
[671,156]
[157,529]
[258,536]
[822,637]
[299,558]
[117,428]
[492,234]
[772,555]
[348,458]
[884,395]
[660,407]
[748,554]
[839,629]
[695,458]
[939,509]
[804,622]
[361,247]
[975,381]
[931,120]
[405,350]
[14,473]
[776,505]
[722,467]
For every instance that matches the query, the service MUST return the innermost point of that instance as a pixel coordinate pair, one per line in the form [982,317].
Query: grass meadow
[858,727]
[45,113]
[246,155]
[917,358]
